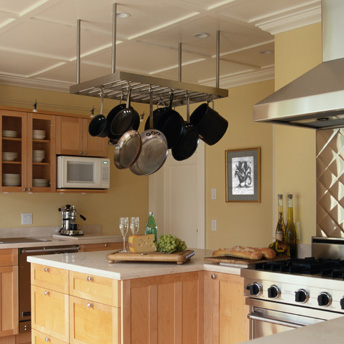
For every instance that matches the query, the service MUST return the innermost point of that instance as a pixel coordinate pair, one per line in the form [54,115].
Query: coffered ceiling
[38,39]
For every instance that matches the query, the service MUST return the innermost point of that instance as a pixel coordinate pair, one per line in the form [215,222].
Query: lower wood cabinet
[50,312]
[42,338]
[8,292]
[92,322]
[163,309]
[225,312]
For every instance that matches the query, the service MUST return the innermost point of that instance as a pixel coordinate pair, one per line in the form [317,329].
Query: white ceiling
[38,39]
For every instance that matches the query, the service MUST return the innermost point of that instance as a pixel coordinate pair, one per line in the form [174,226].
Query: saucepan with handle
[154,150]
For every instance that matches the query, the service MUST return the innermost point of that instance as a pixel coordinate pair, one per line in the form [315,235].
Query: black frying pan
[126,119]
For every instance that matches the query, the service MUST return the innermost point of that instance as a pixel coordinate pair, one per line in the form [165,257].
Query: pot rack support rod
[114,36]
[78,45]
[179,61]
[217,59]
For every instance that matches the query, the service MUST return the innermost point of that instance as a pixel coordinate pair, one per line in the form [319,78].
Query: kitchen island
[81,298]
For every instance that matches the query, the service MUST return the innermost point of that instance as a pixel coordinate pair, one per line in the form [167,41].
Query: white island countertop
[95,263]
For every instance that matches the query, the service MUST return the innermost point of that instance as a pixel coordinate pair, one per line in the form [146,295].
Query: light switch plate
[213,193]
[26,218]
[213,225]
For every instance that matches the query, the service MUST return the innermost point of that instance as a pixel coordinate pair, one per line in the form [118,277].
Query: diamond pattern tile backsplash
[330,182]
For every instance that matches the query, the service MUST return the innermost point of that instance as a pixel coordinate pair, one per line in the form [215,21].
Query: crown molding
[291,19]
[48,85]
[229,81]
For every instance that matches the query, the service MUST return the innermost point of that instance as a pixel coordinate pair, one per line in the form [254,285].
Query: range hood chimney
[316,99]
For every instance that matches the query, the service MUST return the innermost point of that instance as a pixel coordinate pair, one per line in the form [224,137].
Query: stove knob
[254,288]
[324,299]
[301,296]
[274,292]
[342,303]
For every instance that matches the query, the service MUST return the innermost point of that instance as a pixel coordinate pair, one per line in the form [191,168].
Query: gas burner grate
[326,267]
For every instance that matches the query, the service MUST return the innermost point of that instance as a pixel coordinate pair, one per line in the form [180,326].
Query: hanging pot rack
[144,89]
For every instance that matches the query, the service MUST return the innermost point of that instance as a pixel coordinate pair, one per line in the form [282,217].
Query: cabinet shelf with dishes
[28,152]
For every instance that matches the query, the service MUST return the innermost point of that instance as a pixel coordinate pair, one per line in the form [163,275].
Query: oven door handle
[55,250]
[259,317]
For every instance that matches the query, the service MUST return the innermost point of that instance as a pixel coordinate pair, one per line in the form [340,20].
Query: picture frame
[243,175]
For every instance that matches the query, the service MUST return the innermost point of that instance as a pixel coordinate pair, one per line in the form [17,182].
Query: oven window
[80,172]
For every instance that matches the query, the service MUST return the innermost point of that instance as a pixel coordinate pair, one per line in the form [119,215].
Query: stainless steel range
[291,293]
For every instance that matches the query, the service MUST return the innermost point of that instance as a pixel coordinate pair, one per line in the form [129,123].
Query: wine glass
[123,227]
[134,225]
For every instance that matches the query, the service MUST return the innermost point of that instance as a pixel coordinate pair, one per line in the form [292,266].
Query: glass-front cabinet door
[14,150]
[41,174]
[28,162]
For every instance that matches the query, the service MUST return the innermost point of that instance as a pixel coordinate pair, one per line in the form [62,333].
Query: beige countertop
[48,236]
[95,263]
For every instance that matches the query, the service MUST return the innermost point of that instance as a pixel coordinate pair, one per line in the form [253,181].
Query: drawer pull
[90,305]
[46,269]
[46,293]
[213,276]
[106,245]
[89,278]
[47,339]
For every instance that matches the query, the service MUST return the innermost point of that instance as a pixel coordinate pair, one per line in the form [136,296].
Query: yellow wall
[240,223]
[128,195]
[296,52]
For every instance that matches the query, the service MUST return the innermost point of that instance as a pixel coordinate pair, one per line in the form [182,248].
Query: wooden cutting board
[240,261]
[177,257]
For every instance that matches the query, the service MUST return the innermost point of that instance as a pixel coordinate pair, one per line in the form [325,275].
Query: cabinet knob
[47,339]
[89,278]
[213,276]
[80,153]
[46,293]
[106,245]
[90,305]
[30,189]
[85,153]
[24,189]
[46,269]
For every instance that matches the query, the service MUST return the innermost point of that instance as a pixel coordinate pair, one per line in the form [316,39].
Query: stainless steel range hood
[316,99]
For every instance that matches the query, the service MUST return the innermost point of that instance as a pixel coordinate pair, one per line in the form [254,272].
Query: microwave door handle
[259,317]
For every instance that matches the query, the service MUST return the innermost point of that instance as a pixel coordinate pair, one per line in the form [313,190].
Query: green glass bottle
[290,234]
[151,227]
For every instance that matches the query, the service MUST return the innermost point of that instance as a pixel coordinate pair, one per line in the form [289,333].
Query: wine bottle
[290,230]
[280,228]
[151,227]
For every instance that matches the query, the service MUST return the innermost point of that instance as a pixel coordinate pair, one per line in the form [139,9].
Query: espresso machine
[69,225]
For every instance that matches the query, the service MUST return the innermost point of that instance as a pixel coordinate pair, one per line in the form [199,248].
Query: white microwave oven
[77,172]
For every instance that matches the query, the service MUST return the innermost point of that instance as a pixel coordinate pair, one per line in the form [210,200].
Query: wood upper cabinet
[163,309]
[72,138]
[28,161]
[225,312]
[9,292]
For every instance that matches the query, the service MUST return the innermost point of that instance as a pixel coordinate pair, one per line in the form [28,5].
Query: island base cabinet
[225,312]
[50,312]
[93,323]
[163,310]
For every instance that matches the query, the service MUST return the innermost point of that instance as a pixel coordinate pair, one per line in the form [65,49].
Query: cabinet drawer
[41,338]
[103,246]
[50,312]
[49,277]
[95,288]
[8,257]
[93,323]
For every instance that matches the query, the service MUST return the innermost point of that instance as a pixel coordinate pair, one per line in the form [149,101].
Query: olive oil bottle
[280,228]
[290,235]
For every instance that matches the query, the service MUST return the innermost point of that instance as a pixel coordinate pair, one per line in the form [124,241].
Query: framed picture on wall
[243,175]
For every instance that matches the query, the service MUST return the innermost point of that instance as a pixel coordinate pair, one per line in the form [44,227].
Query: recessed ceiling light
[202,35]
[123,15]
[266,52]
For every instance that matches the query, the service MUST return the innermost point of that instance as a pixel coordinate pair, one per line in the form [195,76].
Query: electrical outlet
[213,225]
[213,193]
[26,218]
